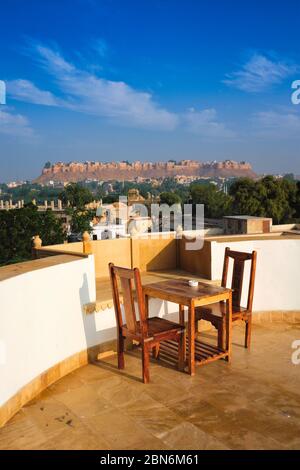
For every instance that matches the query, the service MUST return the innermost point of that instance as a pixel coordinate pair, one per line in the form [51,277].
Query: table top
[179,291]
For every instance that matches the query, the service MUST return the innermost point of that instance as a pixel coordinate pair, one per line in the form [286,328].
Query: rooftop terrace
[59,384]
[251,404]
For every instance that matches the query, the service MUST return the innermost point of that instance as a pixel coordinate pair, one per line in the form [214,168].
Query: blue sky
[149,80]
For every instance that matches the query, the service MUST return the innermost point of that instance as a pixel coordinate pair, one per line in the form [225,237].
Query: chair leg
[248,332]
[155,351]
[145,362]
[221,326]
[120,349]
[181,351]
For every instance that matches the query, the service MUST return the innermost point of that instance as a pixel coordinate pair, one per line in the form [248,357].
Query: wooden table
[179,291]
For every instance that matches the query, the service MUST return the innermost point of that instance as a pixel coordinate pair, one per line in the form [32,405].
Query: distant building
[15,184]
[108,231]
[246,224]
[118,220]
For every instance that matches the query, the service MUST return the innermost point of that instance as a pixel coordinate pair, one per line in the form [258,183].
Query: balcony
[252,404]
[60,387]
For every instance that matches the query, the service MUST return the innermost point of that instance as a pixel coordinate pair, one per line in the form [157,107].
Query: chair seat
[218,311]
[159,326]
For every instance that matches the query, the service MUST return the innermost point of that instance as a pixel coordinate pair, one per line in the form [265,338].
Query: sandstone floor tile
[253,403]
[189,437]
[84,401]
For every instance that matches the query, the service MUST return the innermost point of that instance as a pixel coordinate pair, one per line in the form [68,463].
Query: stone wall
[76,171]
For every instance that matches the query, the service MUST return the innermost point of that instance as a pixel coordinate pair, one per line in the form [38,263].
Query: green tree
[289,176]
[76,195]
[247,197]
[280,197]
[111,198]
[268,197]
[100,194]
[18,226]
[170,198]
[81,220]
[216,203]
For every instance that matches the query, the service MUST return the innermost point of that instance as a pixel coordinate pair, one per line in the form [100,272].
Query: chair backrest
[129,279]
[239,260]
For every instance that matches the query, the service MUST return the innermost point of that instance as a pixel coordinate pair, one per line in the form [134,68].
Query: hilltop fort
[75,171]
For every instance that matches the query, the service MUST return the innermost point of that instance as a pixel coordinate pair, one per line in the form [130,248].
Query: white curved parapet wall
[277,282]
[41,319]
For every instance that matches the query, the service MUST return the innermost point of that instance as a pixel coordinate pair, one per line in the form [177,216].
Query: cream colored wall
[195,261]
[117,251]
[75,247]
[284,227]
[277,267]
[152,252]
[156,253]
[277,274]
[64,248]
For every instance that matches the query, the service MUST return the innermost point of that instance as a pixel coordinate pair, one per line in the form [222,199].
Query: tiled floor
[254,403]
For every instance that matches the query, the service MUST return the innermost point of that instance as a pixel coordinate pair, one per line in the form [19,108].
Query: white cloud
[259,74]
[277,125]
[206,124]
[25,90]
[14,124]
[85,92]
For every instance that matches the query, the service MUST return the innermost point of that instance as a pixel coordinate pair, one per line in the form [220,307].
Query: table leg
[229,326]
[182,323]
[191,335]
[146,301]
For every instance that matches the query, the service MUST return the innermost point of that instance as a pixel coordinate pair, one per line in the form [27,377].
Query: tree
[100,194]
[18,226]
[247,197]
[216,203]
[280,196]
[268,197]
[76,195]
[81,220]
[110,198]
[170,198]
[289,176]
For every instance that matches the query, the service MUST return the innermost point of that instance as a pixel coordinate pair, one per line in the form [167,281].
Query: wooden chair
[149,332]
[215,313]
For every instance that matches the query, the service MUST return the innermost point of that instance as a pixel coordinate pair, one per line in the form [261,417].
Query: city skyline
[177,80]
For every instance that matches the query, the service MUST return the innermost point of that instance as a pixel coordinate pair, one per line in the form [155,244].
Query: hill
[74,171]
